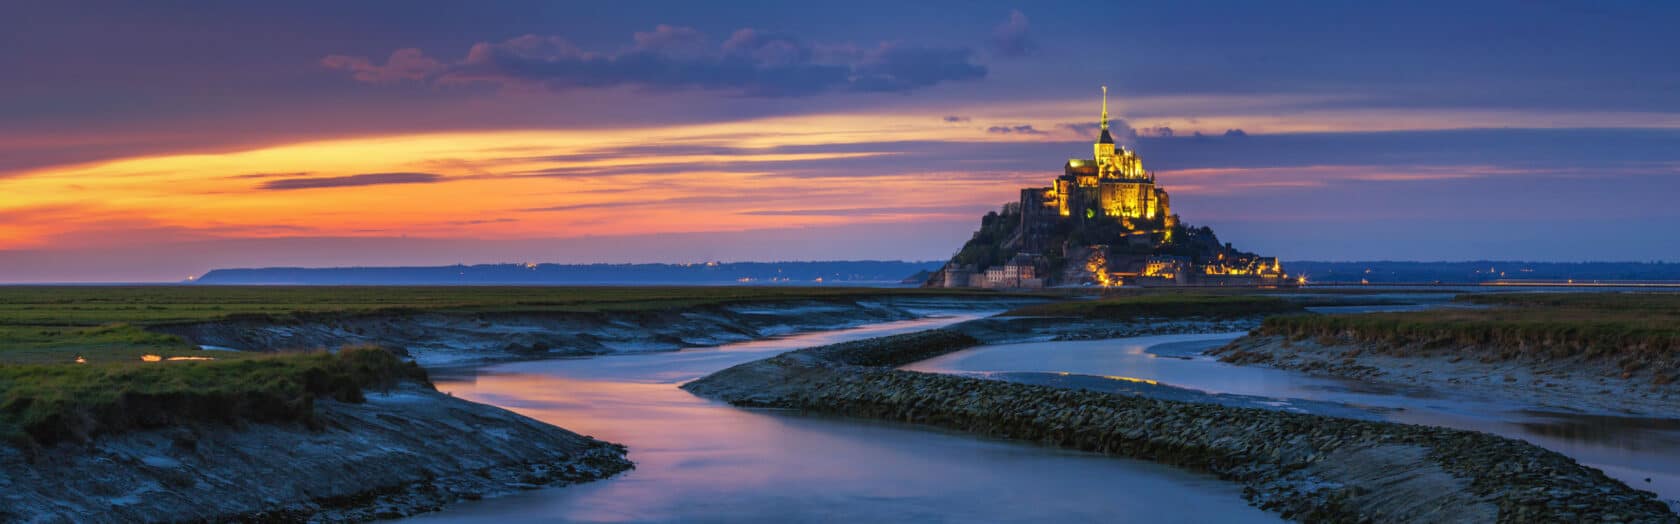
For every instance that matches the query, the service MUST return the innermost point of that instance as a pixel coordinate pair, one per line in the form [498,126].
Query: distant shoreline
[891,273]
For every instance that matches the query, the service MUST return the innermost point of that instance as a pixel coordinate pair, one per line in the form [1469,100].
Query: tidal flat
[217,369]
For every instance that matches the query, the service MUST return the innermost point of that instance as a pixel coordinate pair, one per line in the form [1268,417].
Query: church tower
[1105,144]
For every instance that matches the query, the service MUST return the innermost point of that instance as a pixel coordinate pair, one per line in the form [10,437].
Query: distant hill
[1481,271]
[859,272]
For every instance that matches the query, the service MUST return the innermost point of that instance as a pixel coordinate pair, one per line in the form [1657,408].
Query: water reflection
[702,461]
[1643,452]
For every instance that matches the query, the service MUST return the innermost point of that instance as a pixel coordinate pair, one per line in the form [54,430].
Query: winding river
[704,461]
[700,460]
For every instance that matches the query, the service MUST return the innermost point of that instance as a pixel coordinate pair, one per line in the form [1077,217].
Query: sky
[153,141]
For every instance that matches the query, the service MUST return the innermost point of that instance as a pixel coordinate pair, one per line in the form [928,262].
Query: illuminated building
[1104,222]
[1111,185]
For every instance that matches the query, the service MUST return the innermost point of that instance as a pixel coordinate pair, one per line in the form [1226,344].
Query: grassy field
[77,361]
[56,324]
[1640,332]
[1163,305]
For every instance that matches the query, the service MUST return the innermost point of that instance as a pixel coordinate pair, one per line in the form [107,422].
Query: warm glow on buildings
[1105,217]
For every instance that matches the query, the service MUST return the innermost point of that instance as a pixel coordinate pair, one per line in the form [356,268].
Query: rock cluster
[1306,467]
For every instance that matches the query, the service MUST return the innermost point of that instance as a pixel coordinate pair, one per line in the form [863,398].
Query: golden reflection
[160,358]
[1132,379]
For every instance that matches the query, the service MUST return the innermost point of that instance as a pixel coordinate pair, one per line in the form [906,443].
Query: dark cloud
[894,158]
[872,211]
[365,179]
[1019,130]
[751,62]
[403,64]
[699,199]
[897,68]
[1157,131]
[1119,129]
[1083,128]
[954,119]
[481,222]
[1012,38]
[248,176]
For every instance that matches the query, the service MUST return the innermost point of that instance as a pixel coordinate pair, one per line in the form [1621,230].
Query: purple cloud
[1019,130]
[1012,38]
[751,62]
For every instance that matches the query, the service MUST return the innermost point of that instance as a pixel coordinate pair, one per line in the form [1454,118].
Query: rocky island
[1104,222]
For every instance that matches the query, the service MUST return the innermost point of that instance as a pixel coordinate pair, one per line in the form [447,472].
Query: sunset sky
[149,141]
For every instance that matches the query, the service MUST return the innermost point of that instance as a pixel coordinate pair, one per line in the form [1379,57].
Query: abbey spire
[1105,139]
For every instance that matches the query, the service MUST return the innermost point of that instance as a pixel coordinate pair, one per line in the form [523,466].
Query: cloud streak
[1015,130]
[365,179]
[750,62]
[960,211]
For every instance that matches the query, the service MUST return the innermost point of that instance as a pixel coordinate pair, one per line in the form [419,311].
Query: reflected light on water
[699,460]
[1643,452]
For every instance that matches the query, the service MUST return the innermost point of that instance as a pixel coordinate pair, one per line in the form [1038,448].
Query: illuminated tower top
[1104,148]
[1106,139]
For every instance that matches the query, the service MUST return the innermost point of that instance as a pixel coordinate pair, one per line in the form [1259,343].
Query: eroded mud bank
[1305,467]
[439,338]
[1570,383]
[402,452]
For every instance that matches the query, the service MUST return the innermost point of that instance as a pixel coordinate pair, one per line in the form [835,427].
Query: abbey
[1104,221]
[1112,184]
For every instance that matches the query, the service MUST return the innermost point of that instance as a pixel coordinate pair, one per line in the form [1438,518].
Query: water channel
[702,461]
[1642,452]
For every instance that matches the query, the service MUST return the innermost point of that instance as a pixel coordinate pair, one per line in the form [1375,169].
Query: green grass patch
[41,404]
[95,305]
[1640,332]
[46,396]
[54,324]
[1162,305]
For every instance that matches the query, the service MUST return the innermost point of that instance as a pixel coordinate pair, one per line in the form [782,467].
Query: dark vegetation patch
[1163,305]
[1638,332]
[41,404]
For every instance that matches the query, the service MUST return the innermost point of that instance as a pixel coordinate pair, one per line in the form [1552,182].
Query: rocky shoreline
[406,451]
[1305,467]
[449,338]
[1569,384]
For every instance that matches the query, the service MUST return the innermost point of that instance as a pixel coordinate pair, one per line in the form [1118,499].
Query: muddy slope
[1570,383]
[1306,467]
[403,452]
[442,338]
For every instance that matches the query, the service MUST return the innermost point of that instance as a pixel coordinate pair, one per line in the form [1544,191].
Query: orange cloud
[723,176]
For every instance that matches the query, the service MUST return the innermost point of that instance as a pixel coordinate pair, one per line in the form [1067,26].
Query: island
[1103,222]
